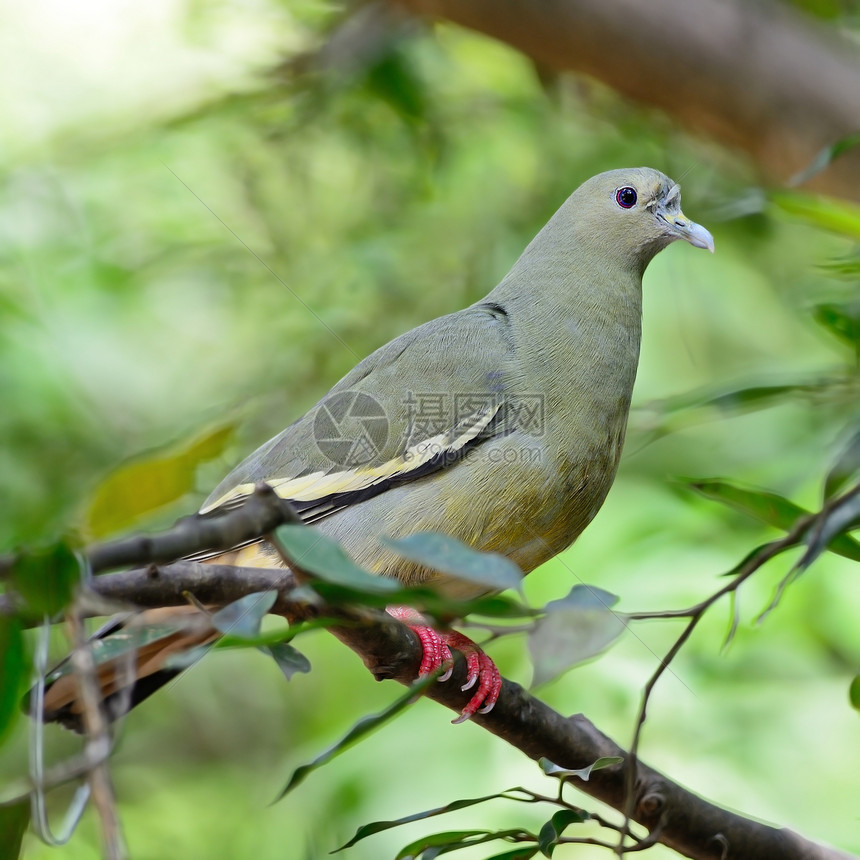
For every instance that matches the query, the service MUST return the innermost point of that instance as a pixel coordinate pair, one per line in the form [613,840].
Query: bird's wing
[420,403]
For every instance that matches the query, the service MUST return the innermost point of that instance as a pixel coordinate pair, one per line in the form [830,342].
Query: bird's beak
[683,228]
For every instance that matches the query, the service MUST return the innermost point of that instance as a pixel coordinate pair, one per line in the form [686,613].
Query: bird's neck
[575,311]
[570,290]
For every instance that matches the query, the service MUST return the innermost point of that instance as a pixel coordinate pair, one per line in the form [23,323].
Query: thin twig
[66,771]
[40,779]
[98,738]
[810,524]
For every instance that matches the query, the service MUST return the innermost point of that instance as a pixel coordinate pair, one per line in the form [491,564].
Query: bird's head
[638,210]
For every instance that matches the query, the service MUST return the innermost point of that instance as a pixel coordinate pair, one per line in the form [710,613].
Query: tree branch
[687,823]
[674,816]
[261,514]
[754,76]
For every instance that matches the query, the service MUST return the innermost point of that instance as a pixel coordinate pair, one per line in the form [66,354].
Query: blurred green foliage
[188,241]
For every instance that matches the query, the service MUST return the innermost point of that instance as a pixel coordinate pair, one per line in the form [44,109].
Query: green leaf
[754,397]
[845,468]
[574,629]
[828,154]
[14,819]
[583,773]
[525,852]
[584,597]
[440,840]
[829,528]
[841,320]
[552,831]
[836,216]
[290,661]
[45,579]
[185,659]
[449,555]
[769,508]
[763,506]
[430,847]
[659,417]
[315,553]
[427,600]
[497,606]
[753,553]
[144,485]
[734,621]
[242,618]
[13,670]
[846,267]
[854,693]
[359,731]
[277,635]
[378,826]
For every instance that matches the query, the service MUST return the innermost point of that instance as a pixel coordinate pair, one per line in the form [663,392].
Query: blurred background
[209,209]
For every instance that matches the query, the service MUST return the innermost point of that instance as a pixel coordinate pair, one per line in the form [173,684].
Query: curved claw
[481,670]
[446,660]
[436,648]
[473,660]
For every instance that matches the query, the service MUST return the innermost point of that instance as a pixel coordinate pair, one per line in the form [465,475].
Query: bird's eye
[626,197]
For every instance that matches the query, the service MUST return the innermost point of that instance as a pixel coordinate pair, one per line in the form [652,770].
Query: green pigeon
[500,425]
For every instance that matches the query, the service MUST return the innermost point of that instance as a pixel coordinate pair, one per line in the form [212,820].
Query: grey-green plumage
[530,389]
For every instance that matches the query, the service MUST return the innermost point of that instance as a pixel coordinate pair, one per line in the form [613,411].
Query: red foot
[437,653]
[482,670]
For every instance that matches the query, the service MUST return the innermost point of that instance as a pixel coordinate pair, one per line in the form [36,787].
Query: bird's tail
[136,673]
[152,648]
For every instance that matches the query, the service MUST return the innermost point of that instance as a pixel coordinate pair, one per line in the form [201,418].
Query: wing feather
[322,493]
